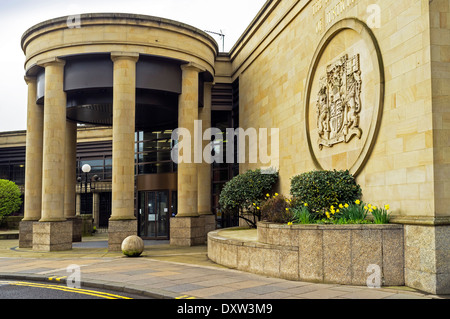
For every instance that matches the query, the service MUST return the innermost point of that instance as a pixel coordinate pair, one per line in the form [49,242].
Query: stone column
[204,169]
[96,209]
[123,223]
[186,229]
[78,204]
[53,232]
[70,206]
[33,166]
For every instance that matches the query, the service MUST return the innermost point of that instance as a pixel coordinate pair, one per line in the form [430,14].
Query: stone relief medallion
[339,102]
[344,97]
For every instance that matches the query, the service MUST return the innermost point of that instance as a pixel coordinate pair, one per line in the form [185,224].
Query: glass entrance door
[154,215]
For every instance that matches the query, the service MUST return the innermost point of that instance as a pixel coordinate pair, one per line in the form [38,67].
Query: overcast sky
[231,17]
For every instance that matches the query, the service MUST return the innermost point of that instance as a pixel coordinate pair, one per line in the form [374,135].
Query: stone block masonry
[324,254]
[52,236]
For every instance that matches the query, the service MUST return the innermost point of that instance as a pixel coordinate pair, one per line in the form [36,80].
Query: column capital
[194,66]
[29,79]
[134,56]
[209,84]
[51,61]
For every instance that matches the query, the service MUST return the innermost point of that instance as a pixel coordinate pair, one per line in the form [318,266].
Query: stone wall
[397,53]
[427,264]
[316,253]
[274,76]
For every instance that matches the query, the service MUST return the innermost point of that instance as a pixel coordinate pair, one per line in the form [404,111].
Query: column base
[77,229]
[118,230]
[209,222]
[187,231]
[52,236]
[427,258]
[26,233]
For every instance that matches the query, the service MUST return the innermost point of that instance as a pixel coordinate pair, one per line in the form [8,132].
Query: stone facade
[403,59]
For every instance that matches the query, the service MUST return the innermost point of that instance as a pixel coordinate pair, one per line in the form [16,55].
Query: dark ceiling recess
[88,82]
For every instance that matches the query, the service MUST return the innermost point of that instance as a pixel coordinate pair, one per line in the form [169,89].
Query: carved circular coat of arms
[344,97]
[339,102]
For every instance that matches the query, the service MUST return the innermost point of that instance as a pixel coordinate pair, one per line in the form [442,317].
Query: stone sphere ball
[133,246]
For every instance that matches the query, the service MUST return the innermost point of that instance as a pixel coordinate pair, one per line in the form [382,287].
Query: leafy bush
[245,193]
[323,189]
[10,200]
[276,209]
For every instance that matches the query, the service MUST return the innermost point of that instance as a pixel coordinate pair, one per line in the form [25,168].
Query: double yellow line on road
[65,289]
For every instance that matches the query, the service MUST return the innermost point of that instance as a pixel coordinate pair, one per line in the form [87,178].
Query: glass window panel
[142,215]
[19,174]
[86,203]
[164,156]
[163,214]
[154,152]
[107,176]
[96,162]
[156,168]
[4,172]
[151,215]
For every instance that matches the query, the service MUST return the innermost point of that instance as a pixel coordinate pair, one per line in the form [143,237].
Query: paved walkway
[171,272]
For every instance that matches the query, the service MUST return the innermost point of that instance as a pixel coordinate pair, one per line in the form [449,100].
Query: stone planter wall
[316,253]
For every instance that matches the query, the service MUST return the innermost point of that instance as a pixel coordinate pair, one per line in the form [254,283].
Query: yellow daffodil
[306,204]
[267,195]
[290,223]
[346,205]
[374,207]
[254,204]
[370,205]
[328,215]
[332,207]
[387,207]
[357,202]
[276,194]
[337,211]
[341,206]
[287,208]
[257,208]
[366,208]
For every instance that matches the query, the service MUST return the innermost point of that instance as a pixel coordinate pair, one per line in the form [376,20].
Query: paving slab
[167,272]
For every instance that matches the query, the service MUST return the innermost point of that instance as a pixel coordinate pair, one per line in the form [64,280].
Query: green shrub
[10,198]
[322,189]
[276,209]
[245,193]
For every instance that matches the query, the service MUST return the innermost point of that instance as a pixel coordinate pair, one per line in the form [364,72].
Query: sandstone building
[351,84]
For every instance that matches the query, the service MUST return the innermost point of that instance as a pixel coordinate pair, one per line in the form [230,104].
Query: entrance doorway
[154,214]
